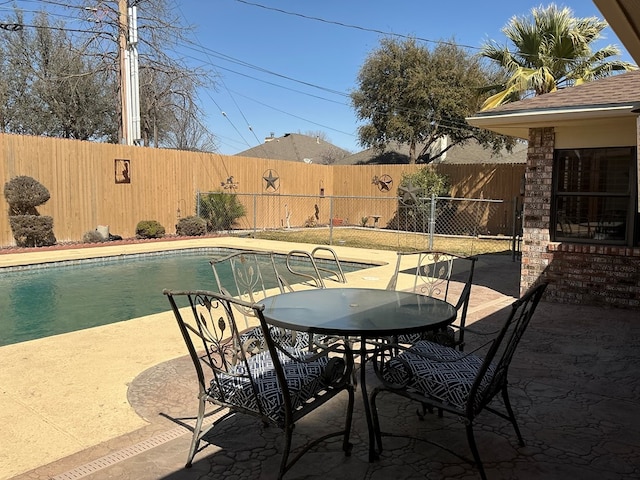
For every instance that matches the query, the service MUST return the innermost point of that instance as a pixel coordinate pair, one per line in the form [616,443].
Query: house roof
[471,153]
[295,147]
[624,18]
[610,97]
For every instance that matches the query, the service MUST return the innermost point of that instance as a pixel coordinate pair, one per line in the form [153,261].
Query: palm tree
[553,49]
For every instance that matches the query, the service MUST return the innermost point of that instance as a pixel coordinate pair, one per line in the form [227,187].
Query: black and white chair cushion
[447,378]
[305,380]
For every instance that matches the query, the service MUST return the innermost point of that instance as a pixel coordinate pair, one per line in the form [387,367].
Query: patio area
[575,388]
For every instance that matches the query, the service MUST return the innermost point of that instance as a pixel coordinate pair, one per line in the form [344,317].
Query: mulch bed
[72,245]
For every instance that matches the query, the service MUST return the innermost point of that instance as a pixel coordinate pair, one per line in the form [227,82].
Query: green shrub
[24,194]
[426,182]
[191,226]
[92,236]
[149,229]
[32,230]
[414,193]
[221,210]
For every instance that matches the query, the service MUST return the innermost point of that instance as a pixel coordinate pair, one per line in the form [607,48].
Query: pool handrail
[317,280]
[339,273]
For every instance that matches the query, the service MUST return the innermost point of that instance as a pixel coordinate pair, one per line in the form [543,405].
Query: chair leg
[512,417]
[197,432]
[288,434]
[474,450]
[347,446]
[376,420]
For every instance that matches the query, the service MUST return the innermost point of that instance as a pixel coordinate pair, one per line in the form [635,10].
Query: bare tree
[319,134]
[186,130]
[160,30]
[332,154]
[51,88]
[63,81]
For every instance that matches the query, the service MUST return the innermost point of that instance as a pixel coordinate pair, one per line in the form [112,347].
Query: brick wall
[537,206]
[578,273]
[594,275]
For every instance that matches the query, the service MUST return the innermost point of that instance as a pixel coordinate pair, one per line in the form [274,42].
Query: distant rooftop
[304,148]
[471,153]
[296,147]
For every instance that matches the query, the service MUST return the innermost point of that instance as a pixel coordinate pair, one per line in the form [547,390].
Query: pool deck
[72,388]
[99,403]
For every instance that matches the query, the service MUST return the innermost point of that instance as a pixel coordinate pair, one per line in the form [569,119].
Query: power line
[343,94]
[209,51]
[235,103]
[356,27]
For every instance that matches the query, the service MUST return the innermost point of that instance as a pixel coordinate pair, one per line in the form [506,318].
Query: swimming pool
[40,302]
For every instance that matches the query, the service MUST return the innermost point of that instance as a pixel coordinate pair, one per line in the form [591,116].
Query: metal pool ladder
[334,274]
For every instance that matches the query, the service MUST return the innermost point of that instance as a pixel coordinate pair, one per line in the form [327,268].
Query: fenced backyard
[89,190]
[458,225]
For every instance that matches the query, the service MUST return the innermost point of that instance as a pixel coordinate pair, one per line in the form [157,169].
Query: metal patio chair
[252,276]
[445,378]
[270,380]
[432,273]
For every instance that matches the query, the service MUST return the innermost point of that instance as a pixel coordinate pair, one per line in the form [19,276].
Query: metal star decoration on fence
[409,193]
[384,183]
[271,178]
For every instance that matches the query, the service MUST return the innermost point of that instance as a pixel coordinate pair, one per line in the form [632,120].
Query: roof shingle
[620,89]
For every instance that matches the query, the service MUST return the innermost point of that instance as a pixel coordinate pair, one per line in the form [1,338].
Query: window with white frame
[594,195]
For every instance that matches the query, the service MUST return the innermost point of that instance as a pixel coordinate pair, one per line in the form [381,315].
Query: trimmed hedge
[32,230]
[149,229]
[191,226]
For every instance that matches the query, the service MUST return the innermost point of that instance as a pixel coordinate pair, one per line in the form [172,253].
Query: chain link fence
[460,225]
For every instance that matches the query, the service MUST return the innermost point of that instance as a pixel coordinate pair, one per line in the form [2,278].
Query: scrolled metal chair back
[433,273]
[248,276]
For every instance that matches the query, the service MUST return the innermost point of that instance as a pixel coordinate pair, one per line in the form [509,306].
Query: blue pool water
[39,302]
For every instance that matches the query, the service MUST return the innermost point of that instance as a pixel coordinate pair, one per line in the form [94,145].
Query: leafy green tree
[74,90]
[426,182]
[14,81]
[550,49]
[415,96]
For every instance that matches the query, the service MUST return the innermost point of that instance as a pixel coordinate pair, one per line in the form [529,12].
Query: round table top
[357,311]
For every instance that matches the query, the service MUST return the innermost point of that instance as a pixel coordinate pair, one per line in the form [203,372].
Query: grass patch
[381,239]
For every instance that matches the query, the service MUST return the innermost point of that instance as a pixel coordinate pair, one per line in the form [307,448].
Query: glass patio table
[364,313]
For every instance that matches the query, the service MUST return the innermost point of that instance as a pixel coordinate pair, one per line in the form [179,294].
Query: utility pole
[129,83]
[123,30]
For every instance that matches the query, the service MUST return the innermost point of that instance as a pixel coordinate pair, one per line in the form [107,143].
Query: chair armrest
[474,331]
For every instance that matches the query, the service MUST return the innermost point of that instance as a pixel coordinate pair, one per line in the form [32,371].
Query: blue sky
[314,62]
[287,66]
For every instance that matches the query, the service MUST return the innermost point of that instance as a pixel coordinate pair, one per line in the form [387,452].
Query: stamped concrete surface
[575,388]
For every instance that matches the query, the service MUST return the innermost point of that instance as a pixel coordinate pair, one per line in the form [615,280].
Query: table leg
[373,454]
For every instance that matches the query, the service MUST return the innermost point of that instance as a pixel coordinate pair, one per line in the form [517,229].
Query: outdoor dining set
[264,348]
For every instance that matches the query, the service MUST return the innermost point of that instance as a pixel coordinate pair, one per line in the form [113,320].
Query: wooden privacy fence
[94,184]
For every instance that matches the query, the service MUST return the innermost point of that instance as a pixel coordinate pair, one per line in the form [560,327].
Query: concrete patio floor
[575,388]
